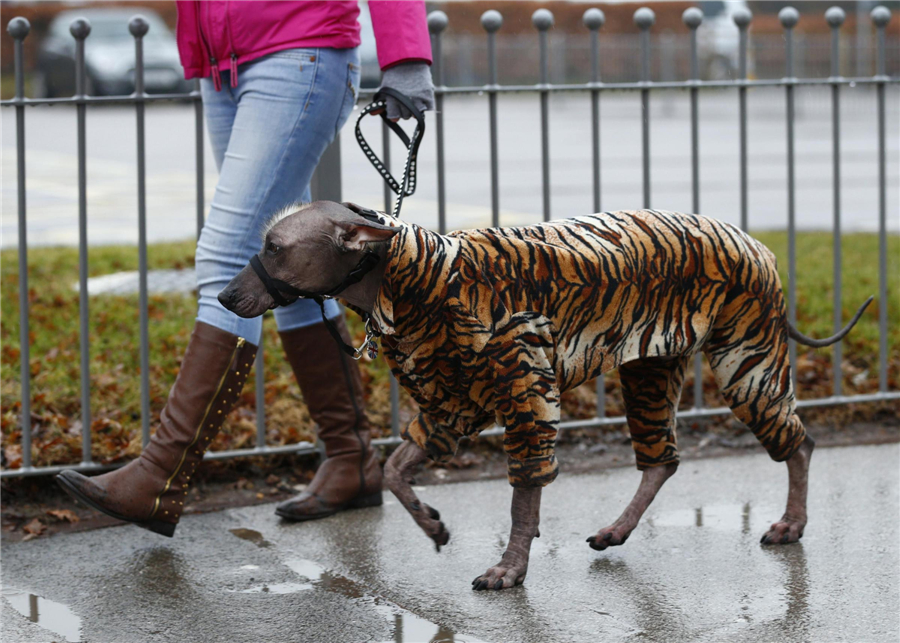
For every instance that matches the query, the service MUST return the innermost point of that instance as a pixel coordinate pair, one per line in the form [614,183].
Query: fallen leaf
[66,515]
[34,528]
[273,480]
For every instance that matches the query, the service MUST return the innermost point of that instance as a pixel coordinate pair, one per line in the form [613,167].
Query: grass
[114,363]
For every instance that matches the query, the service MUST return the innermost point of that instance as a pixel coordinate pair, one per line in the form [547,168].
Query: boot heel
[370,500]
[158,526]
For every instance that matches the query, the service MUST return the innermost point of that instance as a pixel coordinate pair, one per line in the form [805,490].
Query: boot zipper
[238,345]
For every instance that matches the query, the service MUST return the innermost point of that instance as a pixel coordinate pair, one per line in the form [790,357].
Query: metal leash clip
[369,345]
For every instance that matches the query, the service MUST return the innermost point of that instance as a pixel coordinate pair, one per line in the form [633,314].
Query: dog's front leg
[526,516]
[398,476]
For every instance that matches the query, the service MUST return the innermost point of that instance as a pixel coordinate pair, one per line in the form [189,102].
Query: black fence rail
[327,185]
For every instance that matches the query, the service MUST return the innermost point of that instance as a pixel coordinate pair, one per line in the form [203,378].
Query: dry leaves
[33,529]
[62,515]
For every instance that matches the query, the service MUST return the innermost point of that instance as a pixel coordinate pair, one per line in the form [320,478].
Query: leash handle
[408,186]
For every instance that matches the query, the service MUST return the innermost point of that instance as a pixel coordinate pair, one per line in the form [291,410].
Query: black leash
[408,187]
[277,288]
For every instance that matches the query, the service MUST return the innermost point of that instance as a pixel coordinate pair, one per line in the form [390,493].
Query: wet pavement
[692,571]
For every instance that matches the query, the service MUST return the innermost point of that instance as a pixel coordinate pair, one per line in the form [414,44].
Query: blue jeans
[267,135]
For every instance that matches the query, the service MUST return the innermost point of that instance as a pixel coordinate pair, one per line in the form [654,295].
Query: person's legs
[329,380]
[267,134]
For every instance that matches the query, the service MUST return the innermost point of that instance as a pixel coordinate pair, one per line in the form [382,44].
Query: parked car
[109,55]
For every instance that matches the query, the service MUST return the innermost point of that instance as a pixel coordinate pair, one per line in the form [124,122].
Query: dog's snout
[226,297]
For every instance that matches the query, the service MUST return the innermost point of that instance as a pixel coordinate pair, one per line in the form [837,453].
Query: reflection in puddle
[721,517]
[50,615]
[252,536]
[407,627]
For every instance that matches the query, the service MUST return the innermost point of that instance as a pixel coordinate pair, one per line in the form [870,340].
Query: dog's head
[311,247]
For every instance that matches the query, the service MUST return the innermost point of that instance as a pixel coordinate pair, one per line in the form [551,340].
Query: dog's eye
[272,248]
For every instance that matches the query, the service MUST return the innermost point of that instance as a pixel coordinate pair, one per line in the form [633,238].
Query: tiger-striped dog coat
[492,325]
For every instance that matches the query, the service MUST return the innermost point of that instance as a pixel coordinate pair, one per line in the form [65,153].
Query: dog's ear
[354,235]
[358,209]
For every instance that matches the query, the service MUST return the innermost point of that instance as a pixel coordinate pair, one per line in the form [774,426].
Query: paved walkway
[693,571]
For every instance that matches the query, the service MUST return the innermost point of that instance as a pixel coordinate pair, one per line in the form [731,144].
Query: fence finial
[594,19]
[834,17]
[491,21]
[789,17]
[542,19]
[437,21]
[880,16]
[692,17]
[80,28]
[138,26]
[644,18]
[742,17]
[18,28]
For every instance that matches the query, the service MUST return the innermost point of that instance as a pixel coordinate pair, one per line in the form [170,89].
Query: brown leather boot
[150,491]
[330,382]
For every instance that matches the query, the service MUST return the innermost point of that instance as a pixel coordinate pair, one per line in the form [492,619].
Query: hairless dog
[491,326]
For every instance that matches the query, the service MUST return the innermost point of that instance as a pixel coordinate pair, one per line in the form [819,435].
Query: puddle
[252,536]
[278,588]
[407,627]
[719,517]
[50,615]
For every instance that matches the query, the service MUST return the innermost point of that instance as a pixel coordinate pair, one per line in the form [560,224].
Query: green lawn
[115,388]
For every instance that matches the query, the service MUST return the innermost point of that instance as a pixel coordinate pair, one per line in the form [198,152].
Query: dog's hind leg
[651,389]
[748,353]
[398,472]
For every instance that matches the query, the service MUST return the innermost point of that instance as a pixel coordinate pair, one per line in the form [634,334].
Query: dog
[492,325]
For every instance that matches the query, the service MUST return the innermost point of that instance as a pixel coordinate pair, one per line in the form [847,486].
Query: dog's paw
[609,537]
[429,519]
[783,532]
[500,577]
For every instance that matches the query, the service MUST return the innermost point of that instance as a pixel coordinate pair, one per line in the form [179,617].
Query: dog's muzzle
[277,289]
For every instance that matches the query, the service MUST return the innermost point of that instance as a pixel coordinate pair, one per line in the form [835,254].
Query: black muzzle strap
[277,289]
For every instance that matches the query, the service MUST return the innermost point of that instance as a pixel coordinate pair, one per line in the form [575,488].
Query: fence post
[542,20]
[742,18]
[325,184]
[692,18]
[594,19]
[81,29]
[644,19]
[835,18]
[437,22]
[18,28]
[199,158]
[138,28]
[881,16]
[789,18]
[491,21]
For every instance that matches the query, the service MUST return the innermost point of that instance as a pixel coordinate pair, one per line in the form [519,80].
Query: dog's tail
[797,336]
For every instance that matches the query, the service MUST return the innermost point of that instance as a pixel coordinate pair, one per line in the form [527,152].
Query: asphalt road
[693,571]
[112,184]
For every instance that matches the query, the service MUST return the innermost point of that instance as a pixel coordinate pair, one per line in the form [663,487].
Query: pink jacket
[217,35]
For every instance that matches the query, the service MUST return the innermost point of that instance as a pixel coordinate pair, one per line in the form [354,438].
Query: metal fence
[330,188]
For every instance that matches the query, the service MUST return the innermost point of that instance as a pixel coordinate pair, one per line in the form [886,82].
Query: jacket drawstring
[234,65]
[216,77]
